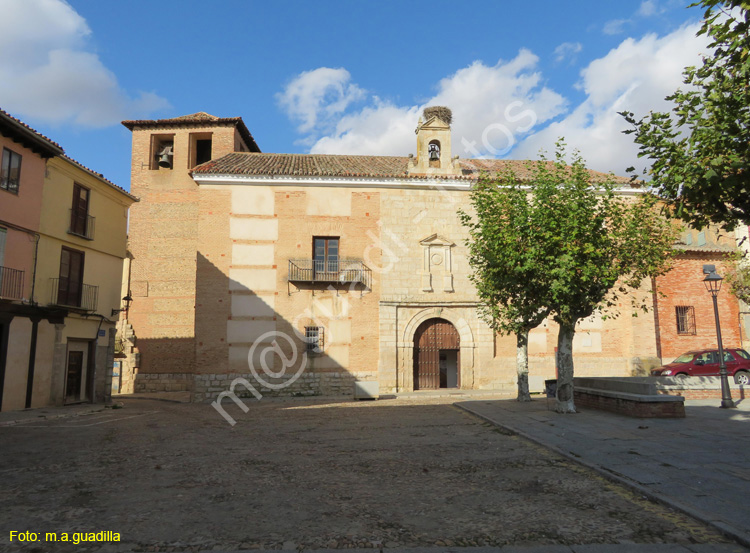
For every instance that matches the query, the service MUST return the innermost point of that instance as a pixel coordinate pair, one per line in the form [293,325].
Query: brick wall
[683,286]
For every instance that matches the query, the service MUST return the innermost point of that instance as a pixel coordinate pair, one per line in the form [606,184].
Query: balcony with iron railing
[67,293]
[341,271]
[81,225]
[11,283]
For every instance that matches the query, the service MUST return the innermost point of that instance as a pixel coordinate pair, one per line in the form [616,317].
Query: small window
[314,339]
[742,353]
[162,151]
[433,153]
[80,222]
[685,319]
[728,357]
[10,171]
[200,148]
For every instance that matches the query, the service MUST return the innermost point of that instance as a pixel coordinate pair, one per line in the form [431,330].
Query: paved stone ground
[700,464]
[305,474]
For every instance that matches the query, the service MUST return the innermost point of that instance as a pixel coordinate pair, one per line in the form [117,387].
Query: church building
[307,273]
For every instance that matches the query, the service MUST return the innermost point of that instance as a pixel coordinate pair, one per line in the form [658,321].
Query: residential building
[306,273]
[63,236]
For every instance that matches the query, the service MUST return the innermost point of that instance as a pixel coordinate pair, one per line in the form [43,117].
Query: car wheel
[681,376]
[742,378]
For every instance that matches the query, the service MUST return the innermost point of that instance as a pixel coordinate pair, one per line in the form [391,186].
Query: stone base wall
[163,382]
[209,386]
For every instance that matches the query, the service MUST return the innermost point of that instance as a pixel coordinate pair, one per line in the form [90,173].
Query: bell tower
[434,144]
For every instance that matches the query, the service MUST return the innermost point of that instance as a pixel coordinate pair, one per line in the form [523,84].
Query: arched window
[433,149]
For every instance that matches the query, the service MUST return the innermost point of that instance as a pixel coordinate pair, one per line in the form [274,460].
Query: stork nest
[441,112]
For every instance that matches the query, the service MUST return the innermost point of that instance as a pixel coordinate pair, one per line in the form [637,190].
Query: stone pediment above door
[436,240]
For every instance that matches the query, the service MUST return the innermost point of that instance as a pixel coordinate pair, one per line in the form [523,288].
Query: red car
[705,362]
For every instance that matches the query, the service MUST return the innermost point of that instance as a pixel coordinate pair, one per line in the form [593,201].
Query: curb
[726,529]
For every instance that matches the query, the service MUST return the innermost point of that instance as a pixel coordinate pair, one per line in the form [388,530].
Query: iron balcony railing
[342,271]
[68,293]
[11,283]
[81,225]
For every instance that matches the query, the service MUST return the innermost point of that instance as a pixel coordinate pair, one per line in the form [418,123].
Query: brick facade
[214,296]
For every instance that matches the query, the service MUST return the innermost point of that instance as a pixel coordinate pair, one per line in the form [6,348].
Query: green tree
[568,246]
[701,151]
[739,276]
[506,272]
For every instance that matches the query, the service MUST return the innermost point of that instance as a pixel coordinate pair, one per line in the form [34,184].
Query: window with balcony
[81,223]
[327,266]
[69,290]
[10,171]
[325,256]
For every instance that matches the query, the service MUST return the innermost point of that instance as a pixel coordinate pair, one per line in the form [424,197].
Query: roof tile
[324,165]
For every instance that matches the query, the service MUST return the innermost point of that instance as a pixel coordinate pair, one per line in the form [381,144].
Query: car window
[706,357]
[728,356]
[684,358]
[742,353]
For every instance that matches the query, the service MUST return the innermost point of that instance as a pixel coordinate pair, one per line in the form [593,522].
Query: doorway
[436,355]
[77,371]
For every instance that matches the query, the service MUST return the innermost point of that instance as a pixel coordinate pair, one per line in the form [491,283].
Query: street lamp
[127,299]
[713,285]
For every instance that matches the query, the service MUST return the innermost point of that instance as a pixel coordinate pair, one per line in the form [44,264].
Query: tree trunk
[565,402]
[522,365]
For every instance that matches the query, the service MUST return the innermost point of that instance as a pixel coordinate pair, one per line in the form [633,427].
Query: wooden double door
[437,357]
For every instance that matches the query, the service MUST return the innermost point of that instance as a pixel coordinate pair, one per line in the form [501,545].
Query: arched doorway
[436,355]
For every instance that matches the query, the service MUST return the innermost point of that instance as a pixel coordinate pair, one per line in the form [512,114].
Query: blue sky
[346,77]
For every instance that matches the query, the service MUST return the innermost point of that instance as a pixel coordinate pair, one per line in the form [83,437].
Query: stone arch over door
[466,348]
[436,355]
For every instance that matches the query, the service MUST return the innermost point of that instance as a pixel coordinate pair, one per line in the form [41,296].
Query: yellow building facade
[60,333]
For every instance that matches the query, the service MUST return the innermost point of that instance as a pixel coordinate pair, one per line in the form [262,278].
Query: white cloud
[635,76]
[508,104]
[47,73]
[567,50]
[615,26]
[492,107]
[649,8]
[316,98]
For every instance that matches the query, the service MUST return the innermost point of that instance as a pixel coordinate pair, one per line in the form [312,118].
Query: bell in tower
[434,144]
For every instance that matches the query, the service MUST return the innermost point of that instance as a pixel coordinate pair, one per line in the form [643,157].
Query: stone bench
[634,397]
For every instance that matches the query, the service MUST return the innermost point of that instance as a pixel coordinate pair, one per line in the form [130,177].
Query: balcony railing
[342,271]
[67,293]
[11,283]
[81,225]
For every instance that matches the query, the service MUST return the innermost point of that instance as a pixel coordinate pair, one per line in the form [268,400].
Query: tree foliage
[504,257]
[739,276]
[564,245]
[701,151]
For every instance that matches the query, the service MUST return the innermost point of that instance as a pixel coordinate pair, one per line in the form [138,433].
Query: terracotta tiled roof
[32,139]
[100,177]
[200,118]
[319,165]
